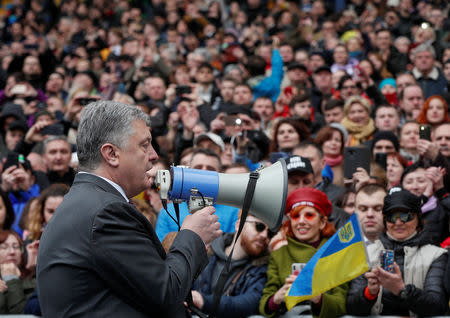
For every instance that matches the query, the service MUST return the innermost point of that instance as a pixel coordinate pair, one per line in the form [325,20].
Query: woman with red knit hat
[307,229]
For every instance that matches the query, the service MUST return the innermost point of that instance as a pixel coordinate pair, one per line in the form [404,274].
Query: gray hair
[423,48]
[53,138]
[104,122]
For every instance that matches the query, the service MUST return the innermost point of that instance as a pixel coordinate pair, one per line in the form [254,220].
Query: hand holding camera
[218,124]
[8,179]
[34,134]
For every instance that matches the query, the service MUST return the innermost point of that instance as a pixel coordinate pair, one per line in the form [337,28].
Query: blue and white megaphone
[201,188]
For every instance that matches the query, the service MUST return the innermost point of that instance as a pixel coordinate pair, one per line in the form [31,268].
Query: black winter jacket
[432,300]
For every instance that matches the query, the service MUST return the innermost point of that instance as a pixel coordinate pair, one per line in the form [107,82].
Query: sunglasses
[295,215]
[259,227]
[403,216]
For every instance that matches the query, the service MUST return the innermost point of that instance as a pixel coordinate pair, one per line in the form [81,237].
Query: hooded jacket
[240,297]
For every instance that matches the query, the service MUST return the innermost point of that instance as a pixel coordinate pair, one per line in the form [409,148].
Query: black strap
[176,206]
[226,270]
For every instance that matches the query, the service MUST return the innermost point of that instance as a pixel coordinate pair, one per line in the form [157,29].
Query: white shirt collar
[115,185]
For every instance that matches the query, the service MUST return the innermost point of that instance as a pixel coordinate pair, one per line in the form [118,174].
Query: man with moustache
[244,285]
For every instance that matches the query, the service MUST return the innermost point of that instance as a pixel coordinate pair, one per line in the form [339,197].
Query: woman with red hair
[434,111]
[307,229]
[395,165]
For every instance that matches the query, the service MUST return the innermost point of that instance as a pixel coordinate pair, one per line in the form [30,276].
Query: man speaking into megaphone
[99,256]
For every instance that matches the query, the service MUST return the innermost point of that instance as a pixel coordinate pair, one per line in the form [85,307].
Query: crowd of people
[230,86]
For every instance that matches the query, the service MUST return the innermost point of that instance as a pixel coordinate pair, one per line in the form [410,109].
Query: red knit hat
[309,197]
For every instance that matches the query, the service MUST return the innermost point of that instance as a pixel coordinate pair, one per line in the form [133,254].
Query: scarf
[333,161]
[360,132]
[430,205]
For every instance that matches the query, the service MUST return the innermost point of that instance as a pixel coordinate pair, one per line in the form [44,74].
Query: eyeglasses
[403,216]
[15,247]
[259,227]
[349,87]
[309,216]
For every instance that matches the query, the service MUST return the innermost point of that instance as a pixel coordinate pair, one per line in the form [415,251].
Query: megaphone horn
[201,186]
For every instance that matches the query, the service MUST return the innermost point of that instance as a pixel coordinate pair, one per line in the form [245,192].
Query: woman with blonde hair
[357,120]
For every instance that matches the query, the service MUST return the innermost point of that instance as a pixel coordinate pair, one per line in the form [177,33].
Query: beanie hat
[387,81]
[385,135]
[309,197]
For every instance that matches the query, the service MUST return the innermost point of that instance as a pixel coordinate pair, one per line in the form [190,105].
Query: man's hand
[217,125]
[360,178]
[8,179]
[34,135]
[189,116]
[204,224]
[197,298]
[427,149]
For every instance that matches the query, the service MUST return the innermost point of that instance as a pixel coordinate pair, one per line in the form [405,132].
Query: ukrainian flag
[342,258]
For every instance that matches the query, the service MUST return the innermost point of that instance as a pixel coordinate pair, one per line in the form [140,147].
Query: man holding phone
[18,180]
[437,150]
[384,142]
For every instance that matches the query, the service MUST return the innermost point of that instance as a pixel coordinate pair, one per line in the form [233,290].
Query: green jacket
[13,300]
[333,301]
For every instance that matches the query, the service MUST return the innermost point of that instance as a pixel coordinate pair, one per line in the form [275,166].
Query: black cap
[322,68]
[295,65]
[298,164]
[400,199]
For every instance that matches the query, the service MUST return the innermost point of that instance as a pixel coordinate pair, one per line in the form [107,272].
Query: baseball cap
[298,164]
[401,199]
[211,136]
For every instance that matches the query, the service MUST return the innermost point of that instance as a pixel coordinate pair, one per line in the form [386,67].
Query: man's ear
[110,154]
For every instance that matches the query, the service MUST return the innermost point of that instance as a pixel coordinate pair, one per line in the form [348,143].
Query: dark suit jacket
[99,257]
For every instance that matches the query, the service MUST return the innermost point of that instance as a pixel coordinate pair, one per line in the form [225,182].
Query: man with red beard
[247,278]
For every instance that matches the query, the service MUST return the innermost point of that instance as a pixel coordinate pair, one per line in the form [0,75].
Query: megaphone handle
[226,269]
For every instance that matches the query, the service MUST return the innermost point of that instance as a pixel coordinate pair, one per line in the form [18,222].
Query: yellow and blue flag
[342,258]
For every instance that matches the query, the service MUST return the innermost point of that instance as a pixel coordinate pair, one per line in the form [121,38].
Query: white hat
[211,136]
